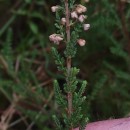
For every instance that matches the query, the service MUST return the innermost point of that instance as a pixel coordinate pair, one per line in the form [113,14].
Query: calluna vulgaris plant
[70,21]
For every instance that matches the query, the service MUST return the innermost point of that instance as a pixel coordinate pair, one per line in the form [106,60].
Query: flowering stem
[73,101]
[69,95]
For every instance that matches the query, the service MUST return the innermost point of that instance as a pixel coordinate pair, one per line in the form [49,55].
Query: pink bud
[74,15]
[86,1]
[82,18]
[56,38]
[80,9]
[63,21]
[86,26]
[81,42]
[54,8]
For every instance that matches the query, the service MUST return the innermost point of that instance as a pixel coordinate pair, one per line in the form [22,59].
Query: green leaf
[28,1]
[82,89]
[59,96]
[57,122]
[33,27]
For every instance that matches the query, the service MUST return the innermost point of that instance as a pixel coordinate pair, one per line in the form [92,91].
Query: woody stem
[69,94]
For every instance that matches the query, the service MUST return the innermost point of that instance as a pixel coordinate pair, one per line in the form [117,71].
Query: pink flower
[81,42]
[74,15]
[86,26]
[82,18]
[54,8]
[63,21]
[56,38]
[80,9]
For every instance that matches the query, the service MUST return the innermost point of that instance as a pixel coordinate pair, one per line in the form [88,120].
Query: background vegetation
[27,68]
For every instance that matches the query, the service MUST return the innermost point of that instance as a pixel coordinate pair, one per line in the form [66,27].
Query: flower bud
[74,15]
[82,18]
[80,9]
[56,38]
[86,26]
[86,1]
[54,8]
[63,21]
[81,42]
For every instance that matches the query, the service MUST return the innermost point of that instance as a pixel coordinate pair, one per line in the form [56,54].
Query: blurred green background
[27,67]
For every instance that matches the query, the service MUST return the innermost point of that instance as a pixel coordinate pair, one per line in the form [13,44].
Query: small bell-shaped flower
[82,18]
[81,42]
[56,38]
[74,15]
[80,9]
[86,27]
[63,21]
[86,1]
[54,8]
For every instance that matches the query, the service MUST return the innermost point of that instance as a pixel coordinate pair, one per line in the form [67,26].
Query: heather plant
[27,70]
[70,21]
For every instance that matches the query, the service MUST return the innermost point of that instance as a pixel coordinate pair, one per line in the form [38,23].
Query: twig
[6,117]
[39,114]
[17,121]
[124,26]
[70,110]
